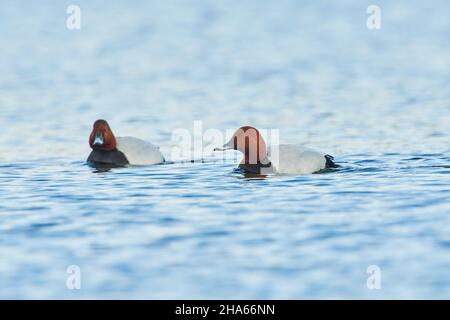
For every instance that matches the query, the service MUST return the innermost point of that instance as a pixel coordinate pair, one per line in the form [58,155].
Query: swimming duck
[120,151]
[292,158]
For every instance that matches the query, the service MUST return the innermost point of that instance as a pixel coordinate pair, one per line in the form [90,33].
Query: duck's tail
[330,162]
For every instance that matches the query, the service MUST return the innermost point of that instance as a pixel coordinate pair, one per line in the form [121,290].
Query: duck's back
[139,152]
[299,159]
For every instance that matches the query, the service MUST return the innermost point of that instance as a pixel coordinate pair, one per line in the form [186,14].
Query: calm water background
[377,100]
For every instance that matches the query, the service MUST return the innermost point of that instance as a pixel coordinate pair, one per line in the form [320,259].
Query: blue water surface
[377,100]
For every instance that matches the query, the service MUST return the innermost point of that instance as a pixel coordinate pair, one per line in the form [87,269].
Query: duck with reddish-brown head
[120,151]
[287,158]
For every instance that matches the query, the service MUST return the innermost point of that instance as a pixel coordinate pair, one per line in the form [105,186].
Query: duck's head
[249,141]
[102,138]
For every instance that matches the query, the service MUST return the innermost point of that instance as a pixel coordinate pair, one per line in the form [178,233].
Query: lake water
[377,100]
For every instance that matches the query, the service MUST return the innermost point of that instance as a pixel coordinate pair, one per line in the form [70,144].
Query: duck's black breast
[256,168]
[115,157]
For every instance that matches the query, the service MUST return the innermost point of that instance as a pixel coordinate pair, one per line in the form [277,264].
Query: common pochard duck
[120,151]
[291,158]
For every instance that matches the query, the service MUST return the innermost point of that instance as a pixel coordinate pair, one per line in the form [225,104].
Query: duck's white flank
[294,158]
[139,152]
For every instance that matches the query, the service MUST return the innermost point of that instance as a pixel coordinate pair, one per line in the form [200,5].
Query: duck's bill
[223,148]
[98,139]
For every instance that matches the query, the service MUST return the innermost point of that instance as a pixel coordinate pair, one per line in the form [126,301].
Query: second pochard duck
[290,158]
[120,151]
